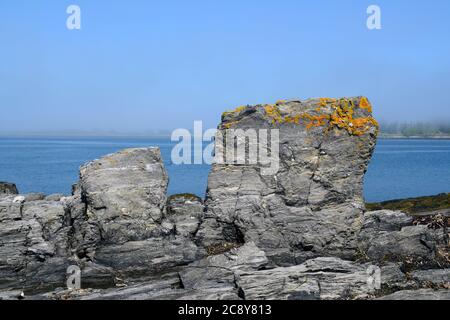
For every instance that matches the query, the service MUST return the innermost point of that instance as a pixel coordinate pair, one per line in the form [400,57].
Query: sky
[144,66]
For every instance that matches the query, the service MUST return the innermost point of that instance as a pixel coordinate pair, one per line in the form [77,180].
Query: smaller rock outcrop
[125,224]
[8,188]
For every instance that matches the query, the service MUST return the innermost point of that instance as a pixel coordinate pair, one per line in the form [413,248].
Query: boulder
[220,271]
[115,227]
[393,236]
[125,194]
[433,277]
[8,188]
[121,219]
[34,253]
[319,278]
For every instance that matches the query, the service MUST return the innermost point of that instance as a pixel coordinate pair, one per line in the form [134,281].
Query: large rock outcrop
[313,205]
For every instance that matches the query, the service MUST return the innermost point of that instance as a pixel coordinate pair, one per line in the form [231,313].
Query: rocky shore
[301,233]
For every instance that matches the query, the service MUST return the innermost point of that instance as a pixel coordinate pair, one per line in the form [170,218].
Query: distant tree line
[416,128]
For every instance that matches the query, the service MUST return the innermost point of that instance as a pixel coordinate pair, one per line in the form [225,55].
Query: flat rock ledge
[301,233]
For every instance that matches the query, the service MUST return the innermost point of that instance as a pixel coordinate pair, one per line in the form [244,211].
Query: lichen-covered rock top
[353,115]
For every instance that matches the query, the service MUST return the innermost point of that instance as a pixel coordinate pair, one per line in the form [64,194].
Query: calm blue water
[399,168]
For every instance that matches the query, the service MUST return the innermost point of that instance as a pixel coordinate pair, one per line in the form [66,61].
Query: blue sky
[154,65]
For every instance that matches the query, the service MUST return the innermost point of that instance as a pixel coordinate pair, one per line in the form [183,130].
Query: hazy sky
[150,65]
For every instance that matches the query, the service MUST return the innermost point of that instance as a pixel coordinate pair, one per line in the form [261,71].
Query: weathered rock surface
[313,205]
[33,243]
[220,272]
[319,278]
[125,194]
[115,227]
[241,274]
[391,235]
[421,294]
[436,277]
[185,212]
[128,226]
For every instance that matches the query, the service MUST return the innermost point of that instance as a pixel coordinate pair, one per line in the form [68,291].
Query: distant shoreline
[439,203]
[389,136]
[166,135]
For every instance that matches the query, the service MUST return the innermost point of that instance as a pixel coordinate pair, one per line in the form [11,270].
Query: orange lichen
[364,104]
[294,119]
[228,125]
[274,113]
[324,101]
[237,110]
[342,118]
[330,113]
[314,121]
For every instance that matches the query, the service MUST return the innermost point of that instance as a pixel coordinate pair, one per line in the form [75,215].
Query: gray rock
[54,197]
[313,205]
[386,220]
[8,189]
[113,226]
[154,255]
[220,271]
[185,211]
[11,295]
[420,294]
[125,194]
[391,236]
[125,225]
[162,289]
[36,196]
[34,244]
[319,278]
[393,279]
[439,277]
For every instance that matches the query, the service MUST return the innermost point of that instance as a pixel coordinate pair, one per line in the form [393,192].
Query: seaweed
[414,205]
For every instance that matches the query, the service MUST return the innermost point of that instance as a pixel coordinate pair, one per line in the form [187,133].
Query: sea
[400,168]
